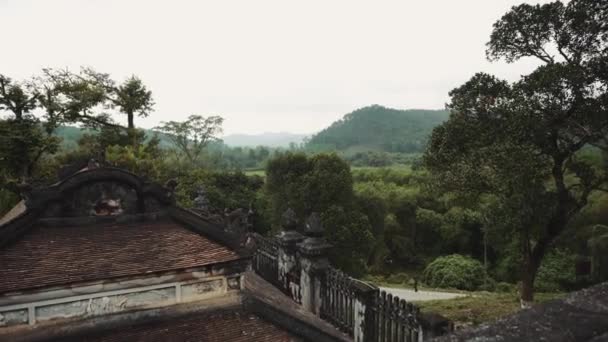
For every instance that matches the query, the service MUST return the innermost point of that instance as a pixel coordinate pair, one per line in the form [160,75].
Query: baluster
[403,332]
[383,313]
[341,296]
[389,313]
[351,309]
[414,322]
[394,315]
[410,323]
[334,285]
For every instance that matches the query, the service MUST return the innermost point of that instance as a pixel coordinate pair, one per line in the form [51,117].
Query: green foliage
[598,244]
[224,189]
[505,287]
[321,184]
[461,230]
[286,178]
[522,142]
[7,200]
[193,135]
[22,143]
[455,271]
[132,98]
[379,128]
[142,160]
[349,233]
[480,308]
[556,272]
[307,185]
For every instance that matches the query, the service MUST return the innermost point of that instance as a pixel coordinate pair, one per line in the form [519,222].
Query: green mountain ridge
[373,128]
[378,128]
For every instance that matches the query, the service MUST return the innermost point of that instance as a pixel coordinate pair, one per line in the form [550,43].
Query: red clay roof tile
[61,255]
[223,326]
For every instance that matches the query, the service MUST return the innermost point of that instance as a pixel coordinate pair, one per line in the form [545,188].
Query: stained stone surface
[14,317]
[581,316]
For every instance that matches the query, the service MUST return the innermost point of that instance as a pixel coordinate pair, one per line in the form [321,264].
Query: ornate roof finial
[314,226]
[289,220]
[201,201]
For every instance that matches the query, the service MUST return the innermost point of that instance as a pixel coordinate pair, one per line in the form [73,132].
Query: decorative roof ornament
[201,201]
[289,237]
[314,226]
[289,220]
[315,244]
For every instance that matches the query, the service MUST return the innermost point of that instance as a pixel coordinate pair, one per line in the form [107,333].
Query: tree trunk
[131,120]
[529,270]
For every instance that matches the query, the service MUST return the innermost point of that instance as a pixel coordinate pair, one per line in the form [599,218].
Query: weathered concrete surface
[581,316]
[58,330]
[284,309]
[413,296]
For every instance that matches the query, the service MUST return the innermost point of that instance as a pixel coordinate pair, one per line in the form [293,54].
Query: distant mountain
[70,136]
[281,139]
[377,128]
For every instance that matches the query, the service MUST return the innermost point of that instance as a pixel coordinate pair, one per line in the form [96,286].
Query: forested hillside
[378,128]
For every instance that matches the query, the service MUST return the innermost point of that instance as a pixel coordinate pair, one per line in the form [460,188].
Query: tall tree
[519,142]
[132,98]
[22,140]
[69,97]
[193,135]
[15,98]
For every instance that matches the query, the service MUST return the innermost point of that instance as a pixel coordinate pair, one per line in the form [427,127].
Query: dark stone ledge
[580,316]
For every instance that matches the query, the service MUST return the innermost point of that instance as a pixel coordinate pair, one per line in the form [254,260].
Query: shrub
[504,287]
[556,272]
[455,271]
[488,285]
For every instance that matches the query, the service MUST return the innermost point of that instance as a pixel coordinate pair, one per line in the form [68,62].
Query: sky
[263,65]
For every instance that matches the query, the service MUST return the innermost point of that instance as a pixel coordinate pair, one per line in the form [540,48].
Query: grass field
[258,172]
[476,308]
[480,307]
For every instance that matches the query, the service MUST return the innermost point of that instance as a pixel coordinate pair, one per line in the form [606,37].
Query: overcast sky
[264,65]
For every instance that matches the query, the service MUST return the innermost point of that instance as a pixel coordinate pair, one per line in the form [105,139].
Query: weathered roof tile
[234,325]
[48,256]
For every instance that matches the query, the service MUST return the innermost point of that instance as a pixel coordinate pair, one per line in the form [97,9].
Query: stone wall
[92,300]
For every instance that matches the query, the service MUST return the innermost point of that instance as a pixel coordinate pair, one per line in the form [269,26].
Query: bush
[488,285]
[556,272]
[505,287]
[455,271]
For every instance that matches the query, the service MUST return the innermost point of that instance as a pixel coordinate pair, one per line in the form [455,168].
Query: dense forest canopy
[378,128]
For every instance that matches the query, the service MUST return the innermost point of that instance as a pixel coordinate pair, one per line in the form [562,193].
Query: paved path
[411,295]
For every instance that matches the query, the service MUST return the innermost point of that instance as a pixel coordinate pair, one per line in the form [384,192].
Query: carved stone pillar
[288,240]
[313,263]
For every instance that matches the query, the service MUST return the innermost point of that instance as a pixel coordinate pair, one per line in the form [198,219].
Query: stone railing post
[313,263]
[364,315]
[288,240]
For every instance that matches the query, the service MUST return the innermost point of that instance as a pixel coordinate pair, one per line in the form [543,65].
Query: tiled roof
[222,326]
[62,255]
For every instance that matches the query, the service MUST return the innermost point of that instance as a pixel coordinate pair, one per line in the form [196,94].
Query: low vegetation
[481,307]
[455,271]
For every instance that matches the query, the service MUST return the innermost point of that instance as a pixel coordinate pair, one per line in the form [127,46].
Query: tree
[193,135]
[22,140]
[16,99]
[519,142]
[349,233]
[132,97]
[69,97]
